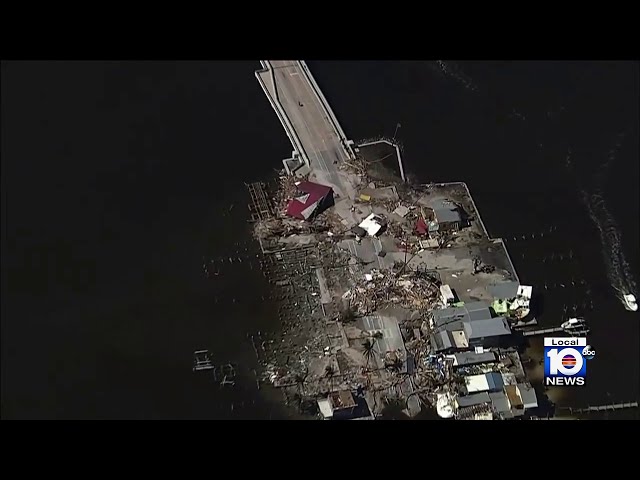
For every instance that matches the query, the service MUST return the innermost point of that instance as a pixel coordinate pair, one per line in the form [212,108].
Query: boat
[630,302]
[573,323]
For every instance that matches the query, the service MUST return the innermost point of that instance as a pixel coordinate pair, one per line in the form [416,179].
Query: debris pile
[414,290]
[358,286]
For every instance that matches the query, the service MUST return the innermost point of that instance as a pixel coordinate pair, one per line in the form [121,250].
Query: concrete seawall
[398,154]
[484,229]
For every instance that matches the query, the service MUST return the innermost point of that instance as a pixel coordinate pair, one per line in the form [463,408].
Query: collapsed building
[313,199]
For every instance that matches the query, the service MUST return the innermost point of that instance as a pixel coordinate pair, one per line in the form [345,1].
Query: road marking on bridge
[319,157]
[323,130]
[344,155]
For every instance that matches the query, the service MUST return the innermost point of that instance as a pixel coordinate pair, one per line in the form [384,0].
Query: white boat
[573,323]
[630,302]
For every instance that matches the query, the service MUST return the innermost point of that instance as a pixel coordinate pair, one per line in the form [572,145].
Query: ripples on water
[618,269]
[451,70]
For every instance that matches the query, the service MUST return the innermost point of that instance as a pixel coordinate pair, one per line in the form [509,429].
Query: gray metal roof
[441,341]
[528,395]
[476,315]
[471,311]
[456,325]
[492,327]
[504,290]
[473,399]
[443,315]
[501,404]
[470,358]
[477,305]
[446,214]
[494,379]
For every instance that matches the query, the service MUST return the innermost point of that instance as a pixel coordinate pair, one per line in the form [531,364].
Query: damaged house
[511,299]
[441,216]
[313,199]
[447,216]
[459,328]
[373,225]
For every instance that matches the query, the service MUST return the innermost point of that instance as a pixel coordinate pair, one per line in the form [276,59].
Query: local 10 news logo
[565,360]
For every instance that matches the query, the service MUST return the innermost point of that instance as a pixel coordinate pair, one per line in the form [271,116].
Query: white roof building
[485,382]
[372,224]
[446,295]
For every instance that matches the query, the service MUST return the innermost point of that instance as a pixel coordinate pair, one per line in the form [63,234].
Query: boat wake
[618,269]
[453,71]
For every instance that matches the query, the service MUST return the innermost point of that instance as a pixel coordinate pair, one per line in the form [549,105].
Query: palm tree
[396,365]
[329,372]
[300,379]
[369,351]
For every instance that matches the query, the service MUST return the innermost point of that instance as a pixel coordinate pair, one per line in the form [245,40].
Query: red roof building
[313,199]
[421,226]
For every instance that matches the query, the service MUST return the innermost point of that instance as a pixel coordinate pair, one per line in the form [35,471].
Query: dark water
[117,178]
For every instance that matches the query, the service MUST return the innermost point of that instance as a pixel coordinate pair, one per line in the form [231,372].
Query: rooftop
[311,196]
[492,327]
[446,214]
[468,312]
[473,399]
[491,381]
[471,358]
[504,290]
[340,400]
[501,404]
[372,224]
[528,395]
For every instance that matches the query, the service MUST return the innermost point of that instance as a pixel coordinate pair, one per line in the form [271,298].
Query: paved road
[317,135]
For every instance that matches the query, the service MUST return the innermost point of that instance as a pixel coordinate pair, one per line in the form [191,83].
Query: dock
[261,207]
[603,408]
[545,331]
[578,327]
[202,361]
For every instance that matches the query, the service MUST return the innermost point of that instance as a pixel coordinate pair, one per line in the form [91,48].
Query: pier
[202,361]
[260,206]
[603,408]
[573,327]
[544,331]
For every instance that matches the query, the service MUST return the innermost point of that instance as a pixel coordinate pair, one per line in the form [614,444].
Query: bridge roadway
[316,137]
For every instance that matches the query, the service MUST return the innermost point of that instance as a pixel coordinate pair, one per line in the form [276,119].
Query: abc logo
[566,361]
[588,352]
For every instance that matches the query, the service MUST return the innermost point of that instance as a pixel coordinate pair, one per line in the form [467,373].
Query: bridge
[319,143]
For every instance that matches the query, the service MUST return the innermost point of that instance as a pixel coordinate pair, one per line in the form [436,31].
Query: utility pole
[396,131]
